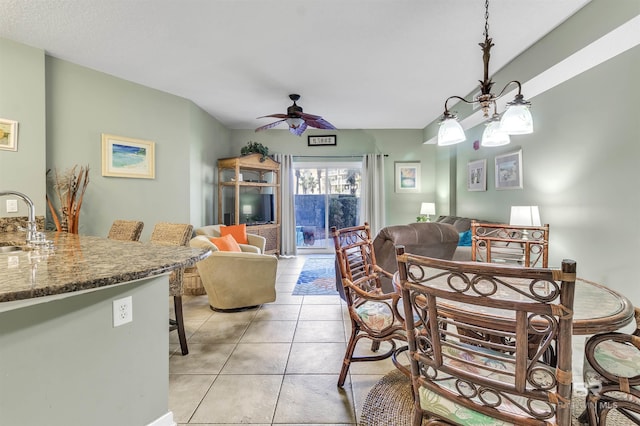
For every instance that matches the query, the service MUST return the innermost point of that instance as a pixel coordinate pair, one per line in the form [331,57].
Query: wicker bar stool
[125,230]
[175,234]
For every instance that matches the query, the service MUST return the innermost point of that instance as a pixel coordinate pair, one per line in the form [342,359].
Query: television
[256,209]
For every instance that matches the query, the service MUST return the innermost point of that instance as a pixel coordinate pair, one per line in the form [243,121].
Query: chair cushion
[238,232]
[376,315]
[449,410]
[460,414]
[620,359]
[225,243]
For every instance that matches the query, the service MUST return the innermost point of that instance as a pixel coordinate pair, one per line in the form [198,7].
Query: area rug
[318,277]
[389,402]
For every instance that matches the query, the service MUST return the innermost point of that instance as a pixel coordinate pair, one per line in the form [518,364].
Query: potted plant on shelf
[255,148]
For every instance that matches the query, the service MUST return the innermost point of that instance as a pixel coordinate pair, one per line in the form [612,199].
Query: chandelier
[516,119]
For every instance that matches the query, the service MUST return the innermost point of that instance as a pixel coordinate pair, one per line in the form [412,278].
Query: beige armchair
[236,280]
[255,241]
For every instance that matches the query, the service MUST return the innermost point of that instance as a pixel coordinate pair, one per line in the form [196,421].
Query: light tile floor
[275,365]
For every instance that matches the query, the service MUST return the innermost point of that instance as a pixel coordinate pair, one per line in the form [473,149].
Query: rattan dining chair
[374,315]
[612,374]
[526,246]
[175,234]
[460,380]
[125,230]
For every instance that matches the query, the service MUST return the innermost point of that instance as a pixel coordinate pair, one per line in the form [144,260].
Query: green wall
[55,371]
[580,163]
[22,99]
[82,104]
[398,144]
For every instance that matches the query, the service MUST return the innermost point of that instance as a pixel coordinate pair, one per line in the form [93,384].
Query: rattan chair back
[374,315]
[612,373]
[526,246]
[175,234]
[465,380]
[125,230]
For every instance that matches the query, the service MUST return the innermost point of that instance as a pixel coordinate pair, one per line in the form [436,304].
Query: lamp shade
[428,208]
[525,216]
[493,135]
[294,122]
[517,120]
[450,132]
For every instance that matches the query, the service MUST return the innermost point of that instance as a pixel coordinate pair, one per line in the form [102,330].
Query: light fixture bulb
[517,119]
[450,131]
[294,123]
[493,135]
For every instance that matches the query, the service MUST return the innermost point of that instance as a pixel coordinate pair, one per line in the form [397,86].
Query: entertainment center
[249,192]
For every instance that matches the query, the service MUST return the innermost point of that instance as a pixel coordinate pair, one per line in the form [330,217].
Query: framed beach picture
[509,171]
[127,157]
[477,175]
[8,135]
[407,176]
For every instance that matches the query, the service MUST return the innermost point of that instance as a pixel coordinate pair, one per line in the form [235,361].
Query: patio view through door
[325,195]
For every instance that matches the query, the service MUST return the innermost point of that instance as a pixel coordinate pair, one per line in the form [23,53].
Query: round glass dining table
[598,309]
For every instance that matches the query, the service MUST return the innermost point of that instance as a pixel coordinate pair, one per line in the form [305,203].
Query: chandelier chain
[486,18]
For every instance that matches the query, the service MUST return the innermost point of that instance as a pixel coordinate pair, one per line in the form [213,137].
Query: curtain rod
[332,156]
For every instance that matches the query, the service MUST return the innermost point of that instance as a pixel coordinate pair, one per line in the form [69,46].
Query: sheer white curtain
[287,214]
[373,191]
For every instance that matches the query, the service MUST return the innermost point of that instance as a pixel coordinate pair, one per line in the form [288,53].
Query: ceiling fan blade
[298,131]
[275,116]
[269,126]
[320,123]
[306,116]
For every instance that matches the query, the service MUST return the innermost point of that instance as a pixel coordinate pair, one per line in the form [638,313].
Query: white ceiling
[361,64]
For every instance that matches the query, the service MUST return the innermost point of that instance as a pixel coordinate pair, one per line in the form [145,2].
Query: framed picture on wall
[509,170]
[477,175]
[322,140]
[407,176]
[127,157]
[8,135]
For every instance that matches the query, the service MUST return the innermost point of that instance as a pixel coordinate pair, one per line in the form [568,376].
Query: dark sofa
[432,239]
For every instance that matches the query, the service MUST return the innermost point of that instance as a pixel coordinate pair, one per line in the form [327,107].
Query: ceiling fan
[297,120]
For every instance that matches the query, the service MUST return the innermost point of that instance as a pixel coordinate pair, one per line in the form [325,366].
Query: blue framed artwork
[127,157]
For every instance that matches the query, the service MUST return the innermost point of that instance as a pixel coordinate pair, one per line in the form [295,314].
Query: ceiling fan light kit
[297,120]
[516,119]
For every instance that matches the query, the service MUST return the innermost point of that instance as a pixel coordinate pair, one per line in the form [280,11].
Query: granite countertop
[82,263]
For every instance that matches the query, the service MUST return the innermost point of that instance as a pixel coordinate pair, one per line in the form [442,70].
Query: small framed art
[509,170]
[477,175]
[8,135]
[127,157]
[322,140]
[407,176]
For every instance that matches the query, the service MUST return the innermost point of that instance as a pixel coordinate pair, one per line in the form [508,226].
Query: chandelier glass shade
[450,131]
[516,120]
[493,134]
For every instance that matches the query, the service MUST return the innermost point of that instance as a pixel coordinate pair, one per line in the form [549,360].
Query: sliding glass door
[325,195]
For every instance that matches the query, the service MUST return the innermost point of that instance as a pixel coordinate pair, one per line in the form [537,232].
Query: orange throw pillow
[226,243]
[238,232]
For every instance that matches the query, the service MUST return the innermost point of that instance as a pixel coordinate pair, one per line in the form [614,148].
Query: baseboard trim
[166,420]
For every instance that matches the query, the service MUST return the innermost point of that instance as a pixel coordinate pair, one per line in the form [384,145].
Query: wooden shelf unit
[263,176]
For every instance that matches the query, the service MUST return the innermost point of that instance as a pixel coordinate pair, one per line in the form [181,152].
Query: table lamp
[247,211]
[525,216]
[426,209]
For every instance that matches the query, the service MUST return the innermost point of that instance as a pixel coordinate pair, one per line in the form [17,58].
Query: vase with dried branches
[69,188]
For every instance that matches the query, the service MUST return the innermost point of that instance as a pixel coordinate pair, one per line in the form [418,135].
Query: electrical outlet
[122,311]
[12,206]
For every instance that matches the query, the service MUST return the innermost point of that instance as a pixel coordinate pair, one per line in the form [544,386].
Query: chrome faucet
[31,224]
